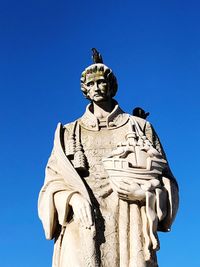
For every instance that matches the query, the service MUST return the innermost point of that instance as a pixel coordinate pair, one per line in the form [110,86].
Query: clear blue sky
[153,48]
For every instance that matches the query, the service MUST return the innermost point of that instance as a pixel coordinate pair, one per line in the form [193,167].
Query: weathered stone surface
[108,187]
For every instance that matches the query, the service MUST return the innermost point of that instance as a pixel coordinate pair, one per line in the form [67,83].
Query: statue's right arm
[82,210]
[54,197]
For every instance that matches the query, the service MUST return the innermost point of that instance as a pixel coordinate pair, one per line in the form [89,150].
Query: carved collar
[115,119]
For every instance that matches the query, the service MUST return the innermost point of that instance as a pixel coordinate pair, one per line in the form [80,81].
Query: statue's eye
[101,81]
[90,83]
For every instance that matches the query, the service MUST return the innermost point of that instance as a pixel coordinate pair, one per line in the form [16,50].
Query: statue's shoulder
[69,129]
[69,126]
[66,129]
[142,122]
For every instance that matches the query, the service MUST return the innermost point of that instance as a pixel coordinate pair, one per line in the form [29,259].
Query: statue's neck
[103,109]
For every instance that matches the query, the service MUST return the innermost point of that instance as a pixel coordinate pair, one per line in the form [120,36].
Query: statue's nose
[96,88]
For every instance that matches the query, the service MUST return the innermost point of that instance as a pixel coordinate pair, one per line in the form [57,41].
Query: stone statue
[108,187]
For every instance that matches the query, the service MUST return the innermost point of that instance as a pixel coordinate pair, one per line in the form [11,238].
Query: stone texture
[108,187]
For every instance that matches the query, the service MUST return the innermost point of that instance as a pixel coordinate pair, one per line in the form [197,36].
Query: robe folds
[117,237]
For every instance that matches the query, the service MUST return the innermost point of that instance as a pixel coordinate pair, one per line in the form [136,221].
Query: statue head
[98,82]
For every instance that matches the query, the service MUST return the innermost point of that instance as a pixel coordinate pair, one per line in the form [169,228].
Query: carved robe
[117,238]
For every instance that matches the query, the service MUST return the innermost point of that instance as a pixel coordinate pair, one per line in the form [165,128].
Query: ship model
[136,160]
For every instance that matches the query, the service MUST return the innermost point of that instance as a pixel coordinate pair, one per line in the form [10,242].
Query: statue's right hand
[82,210]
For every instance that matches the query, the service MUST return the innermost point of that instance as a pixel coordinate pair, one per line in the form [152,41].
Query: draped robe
[117,237]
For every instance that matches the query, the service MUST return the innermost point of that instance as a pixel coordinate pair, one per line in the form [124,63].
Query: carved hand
[127,191]
[132,191]
[82,210]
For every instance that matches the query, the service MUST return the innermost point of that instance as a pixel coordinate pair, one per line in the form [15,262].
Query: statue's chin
[101,99]
[98,99]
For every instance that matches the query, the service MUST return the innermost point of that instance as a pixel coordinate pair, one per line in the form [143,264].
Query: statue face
[97,87]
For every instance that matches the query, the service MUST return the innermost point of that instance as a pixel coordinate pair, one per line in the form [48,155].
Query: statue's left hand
[128,191]
[132,191]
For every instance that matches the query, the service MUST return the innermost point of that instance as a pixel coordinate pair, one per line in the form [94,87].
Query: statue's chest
[97,145]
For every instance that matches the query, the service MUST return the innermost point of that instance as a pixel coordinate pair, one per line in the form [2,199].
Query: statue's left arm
[168,199]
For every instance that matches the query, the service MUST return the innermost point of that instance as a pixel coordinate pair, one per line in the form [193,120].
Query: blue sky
[153,48]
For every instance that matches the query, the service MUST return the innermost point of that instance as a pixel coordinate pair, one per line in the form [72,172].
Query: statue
[108,187]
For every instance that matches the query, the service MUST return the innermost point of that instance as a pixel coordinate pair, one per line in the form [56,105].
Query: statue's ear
[112,83]
[84,90]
